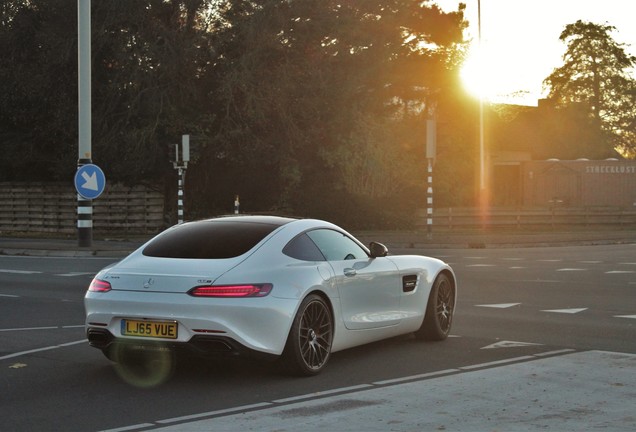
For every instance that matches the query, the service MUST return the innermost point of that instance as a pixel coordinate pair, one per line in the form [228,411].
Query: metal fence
[461,218]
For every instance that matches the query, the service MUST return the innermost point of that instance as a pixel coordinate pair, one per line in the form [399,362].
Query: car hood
[142,273]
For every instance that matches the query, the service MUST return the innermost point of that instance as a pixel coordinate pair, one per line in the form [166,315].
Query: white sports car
[294,289]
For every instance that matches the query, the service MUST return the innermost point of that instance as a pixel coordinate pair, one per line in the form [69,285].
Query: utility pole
[84,206]
[483,192]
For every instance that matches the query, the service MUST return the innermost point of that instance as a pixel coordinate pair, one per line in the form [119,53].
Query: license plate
[153,329]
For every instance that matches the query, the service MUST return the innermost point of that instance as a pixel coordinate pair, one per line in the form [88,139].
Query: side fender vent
[409,282]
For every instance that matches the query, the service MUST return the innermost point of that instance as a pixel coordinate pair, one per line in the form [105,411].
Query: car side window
[336,246]
[301,247]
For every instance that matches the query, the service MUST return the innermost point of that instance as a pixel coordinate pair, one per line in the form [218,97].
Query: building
[545,157]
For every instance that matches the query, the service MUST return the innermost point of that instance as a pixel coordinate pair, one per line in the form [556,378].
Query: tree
[595,74]
[327,96]
[147,59]
[38,90]
[306,106]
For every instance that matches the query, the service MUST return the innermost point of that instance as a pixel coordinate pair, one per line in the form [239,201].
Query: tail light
[246,290]
[98,285]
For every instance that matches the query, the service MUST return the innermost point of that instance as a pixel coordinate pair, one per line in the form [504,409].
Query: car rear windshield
[209,240]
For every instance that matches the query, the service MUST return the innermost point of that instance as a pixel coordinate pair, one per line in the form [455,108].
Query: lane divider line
[18,354]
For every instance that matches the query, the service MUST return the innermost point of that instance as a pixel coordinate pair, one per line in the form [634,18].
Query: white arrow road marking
[509,344]
[566,311]
[499,306]
[91,181]
[625,316]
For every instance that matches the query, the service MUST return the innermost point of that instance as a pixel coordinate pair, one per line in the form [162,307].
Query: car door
[369,288]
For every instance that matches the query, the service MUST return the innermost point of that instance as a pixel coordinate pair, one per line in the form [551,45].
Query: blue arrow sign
[90,181]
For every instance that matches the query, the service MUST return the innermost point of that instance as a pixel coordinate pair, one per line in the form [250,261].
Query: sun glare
[474,78]
[494,79]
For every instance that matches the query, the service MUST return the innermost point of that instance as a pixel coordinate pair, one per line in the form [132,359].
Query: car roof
[267,219]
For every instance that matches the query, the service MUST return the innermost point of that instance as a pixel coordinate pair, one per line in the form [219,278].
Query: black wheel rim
[315,334]
[445,303]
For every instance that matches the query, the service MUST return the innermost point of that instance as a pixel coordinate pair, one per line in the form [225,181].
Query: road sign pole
[431,150]
[84,206]
[181,165]
[180,196]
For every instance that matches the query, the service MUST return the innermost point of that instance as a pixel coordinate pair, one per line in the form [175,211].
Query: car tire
[308,346]
[439,310]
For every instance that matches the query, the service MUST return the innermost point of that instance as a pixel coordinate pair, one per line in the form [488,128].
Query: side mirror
[378,250]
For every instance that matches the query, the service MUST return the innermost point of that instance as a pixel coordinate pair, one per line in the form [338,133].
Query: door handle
[349,272]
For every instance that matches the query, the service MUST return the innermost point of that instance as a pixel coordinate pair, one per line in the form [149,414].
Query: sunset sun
[493,77]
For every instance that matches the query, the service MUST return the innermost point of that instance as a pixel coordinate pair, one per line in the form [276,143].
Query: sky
[520,41]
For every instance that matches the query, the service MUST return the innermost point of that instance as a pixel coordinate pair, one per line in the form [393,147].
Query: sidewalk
[572,391]
[438,239]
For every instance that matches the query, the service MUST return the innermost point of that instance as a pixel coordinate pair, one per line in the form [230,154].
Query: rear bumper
[199,345]
[256,324]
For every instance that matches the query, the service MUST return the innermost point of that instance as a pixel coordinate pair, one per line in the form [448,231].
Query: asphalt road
[535,328]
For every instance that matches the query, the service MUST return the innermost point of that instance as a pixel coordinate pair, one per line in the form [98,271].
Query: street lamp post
[483,193]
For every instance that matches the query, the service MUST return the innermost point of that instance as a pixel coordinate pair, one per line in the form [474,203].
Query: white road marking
[481,265]
[214,413]
[57,257]
[509,344]
[19,271]
[323,393]
[27,328]
[27,272]
[542,281]
[516,268]
[620,272]
[415,377]
[570,269]
[9,295]
[565,311]
[550,260]
[499,305]
[131,428]
[40,328]
[18,354]
[625,316]
[496,363]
